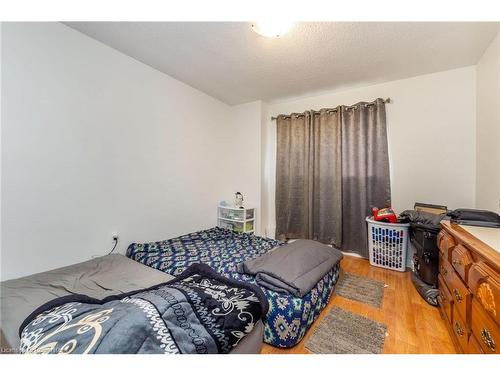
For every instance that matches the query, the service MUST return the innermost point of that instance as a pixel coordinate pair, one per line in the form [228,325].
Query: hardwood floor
[413,326]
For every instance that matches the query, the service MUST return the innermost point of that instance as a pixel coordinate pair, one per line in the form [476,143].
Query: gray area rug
[361,289]
[342,332]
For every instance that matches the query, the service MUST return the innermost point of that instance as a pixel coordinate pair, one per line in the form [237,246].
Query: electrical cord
[115,239]
[114,246]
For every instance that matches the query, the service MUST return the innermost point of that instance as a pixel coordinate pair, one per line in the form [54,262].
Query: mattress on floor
[97,278]
[288,318]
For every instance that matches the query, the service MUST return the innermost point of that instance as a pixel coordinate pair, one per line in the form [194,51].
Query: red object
[384,214]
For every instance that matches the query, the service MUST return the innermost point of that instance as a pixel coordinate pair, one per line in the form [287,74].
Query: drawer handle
[458,329]
[444,271]
[456,262]
[488,339]
[457,295]
[443,297]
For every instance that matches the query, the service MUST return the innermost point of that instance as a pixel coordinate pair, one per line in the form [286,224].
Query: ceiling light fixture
[272,29]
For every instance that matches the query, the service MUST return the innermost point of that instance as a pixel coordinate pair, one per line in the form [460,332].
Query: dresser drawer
[484,284]
[461,261]
[445,299]
[473,346]
[460,294]
[485,329]
[460,330]
[445,243]
[445,268]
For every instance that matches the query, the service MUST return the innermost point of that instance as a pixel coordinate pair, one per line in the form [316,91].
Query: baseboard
[355,255]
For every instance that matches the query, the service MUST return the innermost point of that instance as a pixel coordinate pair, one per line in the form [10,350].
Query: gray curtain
[332,166]
[365,170]
[308,166]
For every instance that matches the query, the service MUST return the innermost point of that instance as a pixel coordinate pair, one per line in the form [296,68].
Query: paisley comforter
[198,312]
[288,318]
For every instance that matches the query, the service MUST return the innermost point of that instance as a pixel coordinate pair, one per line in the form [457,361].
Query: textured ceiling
[229,61]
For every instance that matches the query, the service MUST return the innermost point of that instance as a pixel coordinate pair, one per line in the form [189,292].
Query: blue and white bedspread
[288,317]
[199,312]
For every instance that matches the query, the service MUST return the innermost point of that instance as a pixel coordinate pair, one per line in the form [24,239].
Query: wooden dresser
[469,286]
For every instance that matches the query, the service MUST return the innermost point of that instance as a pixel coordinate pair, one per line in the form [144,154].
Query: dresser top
[489,236]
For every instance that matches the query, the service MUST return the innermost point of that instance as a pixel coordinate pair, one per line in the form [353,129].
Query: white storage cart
[238,219]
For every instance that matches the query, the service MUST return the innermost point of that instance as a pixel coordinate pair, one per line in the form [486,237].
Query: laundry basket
[387,244]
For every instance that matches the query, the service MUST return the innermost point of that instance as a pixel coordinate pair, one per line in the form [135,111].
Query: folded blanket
[198,312]
[294,268]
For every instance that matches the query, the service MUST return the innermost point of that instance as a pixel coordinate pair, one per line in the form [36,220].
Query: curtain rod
[387,100]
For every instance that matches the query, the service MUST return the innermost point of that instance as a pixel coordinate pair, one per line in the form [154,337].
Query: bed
[288,318]
[98,278]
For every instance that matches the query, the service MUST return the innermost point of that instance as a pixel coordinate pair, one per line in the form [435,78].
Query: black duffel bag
[481,218]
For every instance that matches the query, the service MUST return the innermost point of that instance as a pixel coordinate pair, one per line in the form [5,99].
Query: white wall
[431,131]
[488,129]
[95,142]
[246,156]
